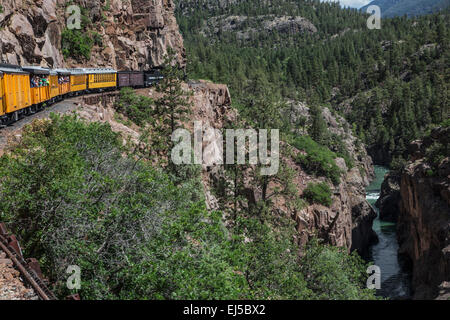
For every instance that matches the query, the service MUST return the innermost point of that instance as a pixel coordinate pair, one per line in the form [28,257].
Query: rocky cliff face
[261,24]
[389,200]
[424,218]
[135,34]
[346,223]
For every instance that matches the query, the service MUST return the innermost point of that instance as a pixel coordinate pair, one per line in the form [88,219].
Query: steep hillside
[120,34]
[392,8]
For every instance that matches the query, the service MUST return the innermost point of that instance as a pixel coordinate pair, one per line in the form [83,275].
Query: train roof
[99,70]
[129,71]
[76,71]
[11,68]
[92,70]
[64,72]
[36,70]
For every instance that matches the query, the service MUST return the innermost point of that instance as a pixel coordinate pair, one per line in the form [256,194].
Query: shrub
[331,273]
[445,123]
[336,144]
[318,193]
[74,199]
[136,107]
[436,153]
[76,44]
[318,159]
[397,164]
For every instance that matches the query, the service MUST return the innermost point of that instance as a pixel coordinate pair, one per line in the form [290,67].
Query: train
[25,90]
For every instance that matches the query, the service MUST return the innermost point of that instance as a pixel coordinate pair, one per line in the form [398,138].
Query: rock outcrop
[424,217]
[287,25]
[348,221]
[134,34]
[389,200]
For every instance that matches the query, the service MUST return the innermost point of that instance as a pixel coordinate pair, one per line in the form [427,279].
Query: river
[395,283]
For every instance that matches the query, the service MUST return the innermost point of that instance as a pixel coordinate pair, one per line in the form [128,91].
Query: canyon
[137,34]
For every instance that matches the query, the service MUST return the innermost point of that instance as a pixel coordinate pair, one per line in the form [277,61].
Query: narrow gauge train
[26,90]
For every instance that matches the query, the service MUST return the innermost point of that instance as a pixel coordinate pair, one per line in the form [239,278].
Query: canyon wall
[424,218]
[346,223]
[134,34]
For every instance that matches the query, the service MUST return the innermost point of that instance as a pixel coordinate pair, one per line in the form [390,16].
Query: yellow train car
[39,85]
[15,93]
[78,81]
[101,79]
[2,95]
[54,87]
[63,82]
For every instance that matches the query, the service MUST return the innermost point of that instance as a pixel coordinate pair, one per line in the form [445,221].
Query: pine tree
[174,104]
[318,127]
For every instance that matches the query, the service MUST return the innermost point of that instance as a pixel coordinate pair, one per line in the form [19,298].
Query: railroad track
[29,269]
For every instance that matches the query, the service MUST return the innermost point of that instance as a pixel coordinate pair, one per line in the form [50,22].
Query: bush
[436,153]
[76,44]
[336,144]
[318,159]
[136,107]
[318,193]
[73,199]
[331,273]
[397,164]
[445,123]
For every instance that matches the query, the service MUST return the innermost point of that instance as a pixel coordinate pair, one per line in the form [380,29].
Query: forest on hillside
[392,8]
[391,84]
